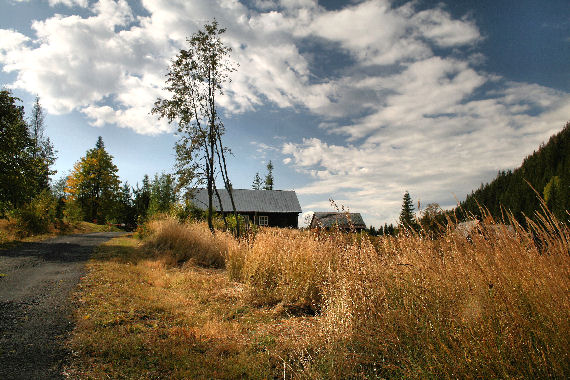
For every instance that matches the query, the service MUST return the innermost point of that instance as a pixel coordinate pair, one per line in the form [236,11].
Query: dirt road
[35,309]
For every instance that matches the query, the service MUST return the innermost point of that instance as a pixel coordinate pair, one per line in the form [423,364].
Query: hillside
[548,172]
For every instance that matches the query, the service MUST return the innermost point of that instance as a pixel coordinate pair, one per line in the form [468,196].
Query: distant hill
[547,170]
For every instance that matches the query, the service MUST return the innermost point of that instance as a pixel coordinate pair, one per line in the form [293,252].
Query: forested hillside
[546,170]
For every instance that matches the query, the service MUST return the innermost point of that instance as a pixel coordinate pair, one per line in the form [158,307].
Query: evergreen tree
[126,209]
[43,151]
[142,199]
[269,177]
[515,190]
[94,184]
[407,218]
[256,185]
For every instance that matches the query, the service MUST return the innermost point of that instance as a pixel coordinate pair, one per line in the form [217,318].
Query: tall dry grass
[494,305]
[491,306]
[178,243]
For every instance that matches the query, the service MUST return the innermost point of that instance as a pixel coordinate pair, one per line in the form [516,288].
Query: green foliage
[269,177]
[94,183]
[43,151]
[126,211]
[196,76]
[553,195]
[38,215]
[407,217]
[515,190]
[142,198]
[162,194]
[433,220]
[72,212]
[187,212]
[24,170]
[256,185]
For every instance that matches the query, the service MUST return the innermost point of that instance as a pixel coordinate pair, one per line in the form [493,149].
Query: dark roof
[331,219]
[250,200]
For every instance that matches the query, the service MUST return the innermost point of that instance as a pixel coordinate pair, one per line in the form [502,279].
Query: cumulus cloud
[69,3]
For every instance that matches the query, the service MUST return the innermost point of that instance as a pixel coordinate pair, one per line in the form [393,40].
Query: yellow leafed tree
[94,184]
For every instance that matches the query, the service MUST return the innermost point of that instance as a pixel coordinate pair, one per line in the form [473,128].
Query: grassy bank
[12,233]
[185,304]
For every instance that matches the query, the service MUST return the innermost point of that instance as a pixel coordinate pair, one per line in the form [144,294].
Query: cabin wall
[283,220]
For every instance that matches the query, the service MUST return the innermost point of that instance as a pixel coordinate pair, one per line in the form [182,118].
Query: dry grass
[328,305]
[494,306]
[11,233]
[138,318]
[177,243]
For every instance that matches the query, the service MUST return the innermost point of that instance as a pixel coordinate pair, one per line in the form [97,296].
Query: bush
[38,215]
[72,212]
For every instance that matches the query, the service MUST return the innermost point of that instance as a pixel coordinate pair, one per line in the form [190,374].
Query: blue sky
[356,101]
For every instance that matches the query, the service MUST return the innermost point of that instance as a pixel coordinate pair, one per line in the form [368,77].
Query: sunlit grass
[328,305]
[11,233]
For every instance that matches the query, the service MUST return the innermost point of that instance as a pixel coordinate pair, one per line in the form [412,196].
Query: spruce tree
[269,177]
[256,185]
[407,214]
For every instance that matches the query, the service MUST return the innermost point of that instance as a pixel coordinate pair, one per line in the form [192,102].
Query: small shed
[341,220]
[273,208]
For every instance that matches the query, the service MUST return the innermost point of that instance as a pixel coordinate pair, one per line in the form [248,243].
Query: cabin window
[263,220]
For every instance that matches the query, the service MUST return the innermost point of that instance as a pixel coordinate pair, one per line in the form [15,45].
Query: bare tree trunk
[221,206]
[224,170]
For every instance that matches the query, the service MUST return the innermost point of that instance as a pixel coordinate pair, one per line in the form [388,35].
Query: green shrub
[72,212]
[38,215]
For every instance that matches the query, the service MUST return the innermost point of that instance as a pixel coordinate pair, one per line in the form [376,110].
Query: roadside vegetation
[184,303]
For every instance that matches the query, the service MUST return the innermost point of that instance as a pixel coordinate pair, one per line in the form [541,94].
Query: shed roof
[331,219]
[246,200]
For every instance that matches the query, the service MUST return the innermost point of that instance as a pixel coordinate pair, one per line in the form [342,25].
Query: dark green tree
[516,190]
[269,177]
[126,208]
[407,217]
[256,185]
[18,171]
[142,199]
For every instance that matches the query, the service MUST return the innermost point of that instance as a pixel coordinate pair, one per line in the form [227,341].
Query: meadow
[183,303]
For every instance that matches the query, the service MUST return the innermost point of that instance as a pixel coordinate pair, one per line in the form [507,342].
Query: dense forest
[546,172]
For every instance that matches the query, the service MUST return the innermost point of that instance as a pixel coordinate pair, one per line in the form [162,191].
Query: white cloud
[69,3]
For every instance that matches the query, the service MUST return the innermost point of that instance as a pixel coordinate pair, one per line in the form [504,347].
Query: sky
[356,101]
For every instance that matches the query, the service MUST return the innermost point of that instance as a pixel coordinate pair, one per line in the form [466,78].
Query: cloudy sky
[356,101]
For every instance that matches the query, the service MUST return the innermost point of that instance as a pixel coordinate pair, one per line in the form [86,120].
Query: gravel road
[36,280]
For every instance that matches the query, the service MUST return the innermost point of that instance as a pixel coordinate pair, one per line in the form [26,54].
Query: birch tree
[195,79]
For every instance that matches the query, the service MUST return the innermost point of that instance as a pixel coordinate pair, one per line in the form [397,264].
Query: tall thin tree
[195,79]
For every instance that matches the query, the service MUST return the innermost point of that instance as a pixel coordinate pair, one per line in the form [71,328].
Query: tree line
[92,191]
[544,176]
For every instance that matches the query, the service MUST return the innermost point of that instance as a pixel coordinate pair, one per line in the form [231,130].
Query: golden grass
[11,233]
[176,243]
[139,317]
[328,305]
[407,306]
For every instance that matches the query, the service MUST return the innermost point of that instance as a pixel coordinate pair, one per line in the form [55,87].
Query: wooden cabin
[342,220]
[272,208]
